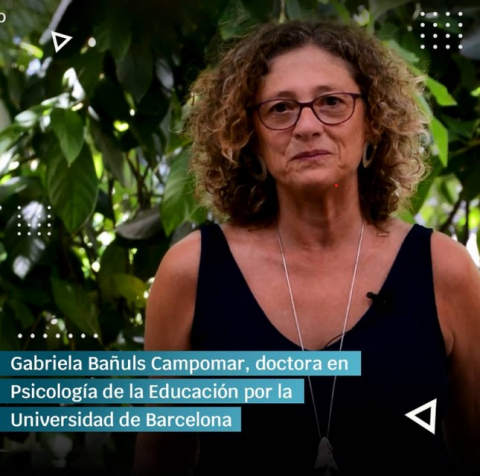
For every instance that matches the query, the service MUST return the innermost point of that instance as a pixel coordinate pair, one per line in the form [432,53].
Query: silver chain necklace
[325,461]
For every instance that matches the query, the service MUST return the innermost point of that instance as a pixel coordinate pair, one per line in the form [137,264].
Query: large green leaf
[12,186]
[9,136]
[146,224]
[135,69]
[440,137]
[76,305]
[379,7]
[89,67]
[130,287]
[178,204]
[458,128]
[114,259]
[26,237]
[440,92]
[402,52]
[424,188]
[341,10]
[113,157]
[109,101]
[27,119]
[114,33]
[261,10]
[73,189]
[22,312]
[68,127]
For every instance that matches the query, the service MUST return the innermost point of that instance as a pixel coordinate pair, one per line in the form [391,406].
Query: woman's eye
[280,107]
[332,101]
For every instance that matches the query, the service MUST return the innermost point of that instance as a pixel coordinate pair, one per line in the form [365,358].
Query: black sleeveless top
[404,366]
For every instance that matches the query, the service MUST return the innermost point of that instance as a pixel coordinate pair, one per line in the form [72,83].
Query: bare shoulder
[457,284]
[183,258]
[457,290]
[453,266]
[171,302]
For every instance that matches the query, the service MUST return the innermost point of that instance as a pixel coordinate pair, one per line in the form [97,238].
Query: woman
[307,138]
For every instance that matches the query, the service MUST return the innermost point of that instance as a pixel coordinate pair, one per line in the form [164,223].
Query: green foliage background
[94,185]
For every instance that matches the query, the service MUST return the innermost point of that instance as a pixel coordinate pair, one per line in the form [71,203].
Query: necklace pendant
[325,461]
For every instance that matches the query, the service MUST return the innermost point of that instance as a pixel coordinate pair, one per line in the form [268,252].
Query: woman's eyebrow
[285,93]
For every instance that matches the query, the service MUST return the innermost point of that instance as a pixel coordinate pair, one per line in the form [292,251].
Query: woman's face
[304,74]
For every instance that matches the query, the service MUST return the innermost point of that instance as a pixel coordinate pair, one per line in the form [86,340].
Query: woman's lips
[311,155]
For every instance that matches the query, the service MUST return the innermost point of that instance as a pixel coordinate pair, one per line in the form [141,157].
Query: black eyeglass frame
[309,104]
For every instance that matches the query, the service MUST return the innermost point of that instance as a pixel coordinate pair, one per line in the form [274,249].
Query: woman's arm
[457,287]
[169,317]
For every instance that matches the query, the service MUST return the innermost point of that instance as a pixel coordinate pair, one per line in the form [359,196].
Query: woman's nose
[308,123]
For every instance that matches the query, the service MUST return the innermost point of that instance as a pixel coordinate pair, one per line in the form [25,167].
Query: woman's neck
[312,224]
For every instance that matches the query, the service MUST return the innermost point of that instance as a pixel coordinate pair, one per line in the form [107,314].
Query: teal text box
[180,363]
[120,419]
[120,390]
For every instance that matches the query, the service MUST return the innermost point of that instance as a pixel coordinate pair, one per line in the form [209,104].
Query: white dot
[19,233]
[19,207]
[32,336]
[49,207]
[48,224]
[54,321]
[460,25]
[460,35]
[28,233]
[434,24]
[447,35]
[48,233]
[460,47]
[422,35]
[434,47]
[460,14]
[49,216]
[435,14]
[423,47]
[29,224]
[447,24]
[19,224]
[83,336]
[95,336]
[20,336]
[422,24]
[91,42]
[45,336]
[57,336]
[448,14]
[70,336]
[39,233]
[435,35]
[39,225]
[19,216]
[448,47]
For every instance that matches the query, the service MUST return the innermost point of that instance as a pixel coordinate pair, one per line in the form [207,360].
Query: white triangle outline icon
[55,37]
[433,413]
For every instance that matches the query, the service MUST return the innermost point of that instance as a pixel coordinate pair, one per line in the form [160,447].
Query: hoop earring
[367,162]
[262,176]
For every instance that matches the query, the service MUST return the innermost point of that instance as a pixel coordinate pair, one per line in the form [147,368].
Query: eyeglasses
[331,109]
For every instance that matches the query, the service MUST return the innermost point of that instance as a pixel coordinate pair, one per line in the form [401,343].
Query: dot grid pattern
[33,224]
[57,335]
[442,21]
